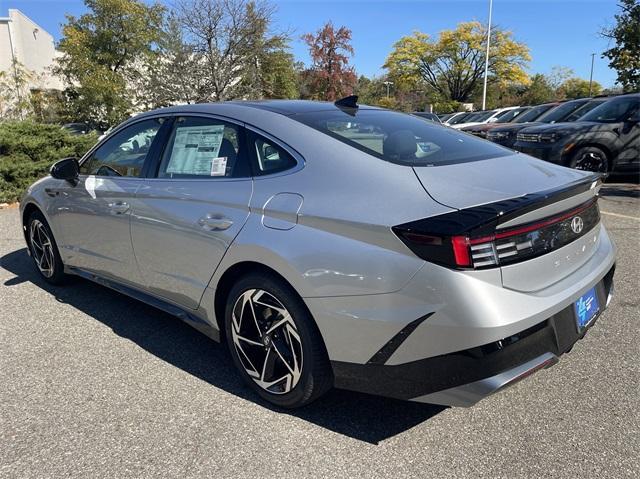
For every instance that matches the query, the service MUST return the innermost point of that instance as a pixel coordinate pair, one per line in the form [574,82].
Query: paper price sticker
[219,166]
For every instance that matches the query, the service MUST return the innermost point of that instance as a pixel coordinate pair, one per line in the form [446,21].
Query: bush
[27,151]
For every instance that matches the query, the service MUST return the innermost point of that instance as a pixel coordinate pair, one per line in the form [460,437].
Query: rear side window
[125,152]
[269,157]
[203,148]
[401,138]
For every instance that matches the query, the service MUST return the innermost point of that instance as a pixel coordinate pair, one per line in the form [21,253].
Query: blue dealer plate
[586,308]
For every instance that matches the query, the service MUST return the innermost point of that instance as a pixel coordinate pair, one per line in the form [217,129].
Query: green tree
[270,70]
[624,57]
[538,91]
[578,88]
[279,75]
[104,51]
[172,72]
[14,92]
[453,65]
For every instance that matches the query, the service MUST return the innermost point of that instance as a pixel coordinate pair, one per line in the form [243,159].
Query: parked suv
[567,111]
[606,138]
[506,137]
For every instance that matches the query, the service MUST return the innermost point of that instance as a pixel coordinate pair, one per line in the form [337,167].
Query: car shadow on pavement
[360,416]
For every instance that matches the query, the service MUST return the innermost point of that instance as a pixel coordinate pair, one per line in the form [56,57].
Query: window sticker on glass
[219,166]
[195,151]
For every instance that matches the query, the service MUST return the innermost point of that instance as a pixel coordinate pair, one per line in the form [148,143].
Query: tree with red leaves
[330,76]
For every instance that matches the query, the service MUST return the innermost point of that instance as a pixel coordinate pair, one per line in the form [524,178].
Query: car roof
[293,107]
[246,111]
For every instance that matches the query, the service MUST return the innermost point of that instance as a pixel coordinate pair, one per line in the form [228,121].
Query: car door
[629,135]
[93,215]
[191,208]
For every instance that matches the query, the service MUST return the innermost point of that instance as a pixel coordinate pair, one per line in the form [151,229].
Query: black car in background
[567,111]
[605,139]
[506,135]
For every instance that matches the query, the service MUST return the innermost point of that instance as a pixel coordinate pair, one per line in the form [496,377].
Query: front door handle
[119,207]
[215,222]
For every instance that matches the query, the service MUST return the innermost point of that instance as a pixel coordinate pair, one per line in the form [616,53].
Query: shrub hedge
[27,151]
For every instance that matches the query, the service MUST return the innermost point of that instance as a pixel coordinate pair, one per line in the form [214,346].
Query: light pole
[388,84]
[486,60]
[593,56]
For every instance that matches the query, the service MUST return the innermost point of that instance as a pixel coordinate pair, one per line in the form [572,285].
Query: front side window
[203,148]
[125,152]
[613,111]
[401,138]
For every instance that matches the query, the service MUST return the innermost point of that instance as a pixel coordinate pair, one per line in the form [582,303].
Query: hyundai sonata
[334,244]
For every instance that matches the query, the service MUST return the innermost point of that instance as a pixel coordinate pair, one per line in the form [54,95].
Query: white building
[22,40]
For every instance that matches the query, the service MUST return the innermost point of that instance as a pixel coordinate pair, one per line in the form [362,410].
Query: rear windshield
[401,138]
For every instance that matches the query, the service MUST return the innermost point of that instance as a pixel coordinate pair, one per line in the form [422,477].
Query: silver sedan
[334,244]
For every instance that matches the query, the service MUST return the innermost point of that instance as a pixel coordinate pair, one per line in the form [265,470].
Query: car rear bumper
[447,329]
[463,378]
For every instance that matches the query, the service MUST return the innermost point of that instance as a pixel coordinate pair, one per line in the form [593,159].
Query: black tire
[54,274]
[589,158]
[314,376]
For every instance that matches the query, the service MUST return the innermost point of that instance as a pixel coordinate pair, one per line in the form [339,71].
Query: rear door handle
[119,207]
[215,222]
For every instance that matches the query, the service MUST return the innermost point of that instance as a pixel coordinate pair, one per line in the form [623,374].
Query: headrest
[400,144]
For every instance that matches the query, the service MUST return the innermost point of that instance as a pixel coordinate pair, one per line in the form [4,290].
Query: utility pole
[486,60]
[593,56]
[388,84]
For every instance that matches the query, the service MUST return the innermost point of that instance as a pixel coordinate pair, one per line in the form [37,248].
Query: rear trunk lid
[521,192]
[464,185]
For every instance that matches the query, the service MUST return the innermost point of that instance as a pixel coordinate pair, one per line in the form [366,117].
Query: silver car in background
[335,245]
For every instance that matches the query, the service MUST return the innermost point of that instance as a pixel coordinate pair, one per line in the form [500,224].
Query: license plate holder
[586,309]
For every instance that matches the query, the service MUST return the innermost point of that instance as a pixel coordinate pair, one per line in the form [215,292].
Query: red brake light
[461,250]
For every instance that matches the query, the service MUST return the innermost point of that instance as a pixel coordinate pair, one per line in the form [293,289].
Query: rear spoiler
[484,219]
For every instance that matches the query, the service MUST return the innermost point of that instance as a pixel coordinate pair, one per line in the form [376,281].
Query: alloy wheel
[590,161]
[42,248]
[267,341]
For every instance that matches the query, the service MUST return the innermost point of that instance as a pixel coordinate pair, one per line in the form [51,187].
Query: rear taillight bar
[500,246]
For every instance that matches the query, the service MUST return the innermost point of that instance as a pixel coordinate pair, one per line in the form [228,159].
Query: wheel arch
[590,143]
[231,275]
[28,210]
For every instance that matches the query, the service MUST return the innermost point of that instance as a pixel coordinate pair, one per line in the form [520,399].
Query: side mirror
[66,169]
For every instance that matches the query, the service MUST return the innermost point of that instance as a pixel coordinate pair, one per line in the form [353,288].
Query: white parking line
[620,216]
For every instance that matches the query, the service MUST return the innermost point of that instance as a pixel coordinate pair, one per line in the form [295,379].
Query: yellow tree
[453,64]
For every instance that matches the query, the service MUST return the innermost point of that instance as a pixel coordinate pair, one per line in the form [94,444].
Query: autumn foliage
[330,76]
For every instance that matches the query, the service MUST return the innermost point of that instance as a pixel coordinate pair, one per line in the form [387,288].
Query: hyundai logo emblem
[577,224]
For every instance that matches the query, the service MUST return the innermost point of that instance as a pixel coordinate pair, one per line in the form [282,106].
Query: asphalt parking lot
[94,384]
